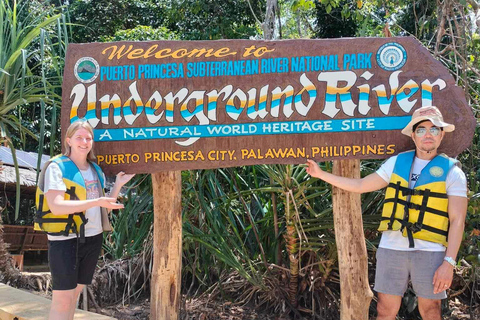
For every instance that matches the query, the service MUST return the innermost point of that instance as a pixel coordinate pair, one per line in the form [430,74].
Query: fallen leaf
[475,232]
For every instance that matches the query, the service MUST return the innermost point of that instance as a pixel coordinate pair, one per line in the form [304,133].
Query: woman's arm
[120,181]
[58,205]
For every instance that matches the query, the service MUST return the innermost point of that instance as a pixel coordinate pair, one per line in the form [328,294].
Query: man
[425,205]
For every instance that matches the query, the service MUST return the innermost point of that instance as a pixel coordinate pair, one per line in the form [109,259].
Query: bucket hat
[427,113]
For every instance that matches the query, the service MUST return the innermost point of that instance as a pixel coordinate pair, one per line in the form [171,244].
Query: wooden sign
[177,105]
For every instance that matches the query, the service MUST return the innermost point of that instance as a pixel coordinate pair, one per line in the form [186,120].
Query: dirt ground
[204,309]
[192,309]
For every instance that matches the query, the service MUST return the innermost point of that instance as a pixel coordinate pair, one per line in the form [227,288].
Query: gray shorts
[394,268]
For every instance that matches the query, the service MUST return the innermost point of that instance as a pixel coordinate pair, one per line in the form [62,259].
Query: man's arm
[370,183]
[457,209]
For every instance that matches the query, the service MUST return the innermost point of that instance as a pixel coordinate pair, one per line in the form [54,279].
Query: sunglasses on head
[421,131]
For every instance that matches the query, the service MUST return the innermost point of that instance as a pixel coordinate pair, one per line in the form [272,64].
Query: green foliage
[131,226]
[29,70]
[470,249]
[21,61]
[418,18]
[141,33]
[297,19]
[215,218]
[93,20]
[229,224]
[336,19]
[211,20]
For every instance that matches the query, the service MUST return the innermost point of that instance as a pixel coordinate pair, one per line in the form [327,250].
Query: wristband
[450,260]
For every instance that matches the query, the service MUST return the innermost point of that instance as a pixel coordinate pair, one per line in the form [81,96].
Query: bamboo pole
[167,246]
[355,293]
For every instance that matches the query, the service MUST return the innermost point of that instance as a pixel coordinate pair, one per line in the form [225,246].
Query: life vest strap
[417,192]
[415,206]
[71,192]
[395,202]
[82,226]
[416,227]
[408,225]
[435,230]
[81,233]
[53,220]
[423,207]
[40,212]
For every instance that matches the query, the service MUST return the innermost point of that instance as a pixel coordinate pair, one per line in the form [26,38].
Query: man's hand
[313,169]
[442,280]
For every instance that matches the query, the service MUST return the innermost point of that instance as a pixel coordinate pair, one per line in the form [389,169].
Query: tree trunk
[268,24]
[167,242]
[355,293]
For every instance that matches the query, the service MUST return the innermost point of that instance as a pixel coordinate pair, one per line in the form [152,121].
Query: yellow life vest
[421,212]
[64,224]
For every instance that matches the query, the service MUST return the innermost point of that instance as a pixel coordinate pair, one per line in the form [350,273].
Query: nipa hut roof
[27,164]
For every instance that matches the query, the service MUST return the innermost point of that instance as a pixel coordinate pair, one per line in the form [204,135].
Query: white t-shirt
[54,181]
[456,184]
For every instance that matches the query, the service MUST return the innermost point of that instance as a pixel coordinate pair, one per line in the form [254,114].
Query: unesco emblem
[391,56]
[86,69]
[437,172]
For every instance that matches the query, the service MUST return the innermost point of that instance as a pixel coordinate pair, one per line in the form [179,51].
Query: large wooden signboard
[176,105]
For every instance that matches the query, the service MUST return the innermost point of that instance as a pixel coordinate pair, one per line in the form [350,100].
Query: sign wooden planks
[177,105]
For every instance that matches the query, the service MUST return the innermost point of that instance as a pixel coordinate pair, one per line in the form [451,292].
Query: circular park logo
[86,69]
[391,56]
[437,172]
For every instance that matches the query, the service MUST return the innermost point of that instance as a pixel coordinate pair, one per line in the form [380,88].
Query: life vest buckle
[412,192]
[414,206]
[415,227]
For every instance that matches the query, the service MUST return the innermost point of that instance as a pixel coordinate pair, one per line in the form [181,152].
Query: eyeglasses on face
[421,131]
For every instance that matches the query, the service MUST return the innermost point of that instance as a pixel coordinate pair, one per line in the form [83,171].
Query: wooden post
[355,293]
[167,246]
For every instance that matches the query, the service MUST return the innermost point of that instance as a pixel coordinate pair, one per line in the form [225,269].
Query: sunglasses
[434,131]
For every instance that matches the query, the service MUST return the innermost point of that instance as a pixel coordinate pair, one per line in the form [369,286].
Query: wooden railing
[24,238]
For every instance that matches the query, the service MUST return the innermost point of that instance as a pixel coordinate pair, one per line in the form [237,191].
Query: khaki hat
[427,113]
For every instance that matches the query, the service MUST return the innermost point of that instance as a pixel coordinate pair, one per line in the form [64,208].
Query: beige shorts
[395,268]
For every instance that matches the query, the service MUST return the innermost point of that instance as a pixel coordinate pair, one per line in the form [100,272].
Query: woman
[70,194]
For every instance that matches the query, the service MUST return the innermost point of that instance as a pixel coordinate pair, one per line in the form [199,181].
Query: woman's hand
[109,203]
[123,178]
[313,169]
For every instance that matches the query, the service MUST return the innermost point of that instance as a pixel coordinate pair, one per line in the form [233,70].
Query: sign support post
[355,293]
[167,246]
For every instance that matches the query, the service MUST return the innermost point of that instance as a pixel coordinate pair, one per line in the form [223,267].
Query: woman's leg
[62,260]
[63,301]
[78,289]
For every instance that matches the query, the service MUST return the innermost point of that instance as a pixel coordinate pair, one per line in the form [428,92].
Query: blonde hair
[74,126]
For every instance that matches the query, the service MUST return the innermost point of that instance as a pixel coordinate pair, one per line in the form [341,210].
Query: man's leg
[391,281]
[425,265]
[430,309]
[388,306]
